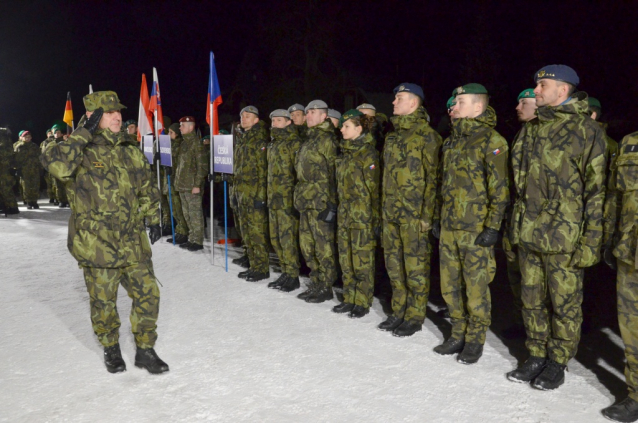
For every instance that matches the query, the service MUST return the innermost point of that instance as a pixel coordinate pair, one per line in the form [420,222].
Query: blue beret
[410,88]
[559,73]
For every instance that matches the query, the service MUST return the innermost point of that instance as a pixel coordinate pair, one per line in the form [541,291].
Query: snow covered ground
[240,352]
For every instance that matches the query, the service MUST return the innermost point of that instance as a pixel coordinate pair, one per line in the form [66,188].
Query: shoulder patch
[497,151]
[631,148]
[372,166]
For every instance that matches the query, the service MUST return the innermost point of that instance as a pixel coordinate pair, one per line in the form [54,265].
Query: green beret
[528,93]
[593,102]
[223,132]
[451,102]
[471,88]
[57,127]
[206,137]
[107,100]
[130,122]
[349,115]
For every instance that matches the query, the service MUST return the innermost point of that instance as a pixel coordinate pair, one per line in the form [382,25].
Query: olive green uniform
[28,162]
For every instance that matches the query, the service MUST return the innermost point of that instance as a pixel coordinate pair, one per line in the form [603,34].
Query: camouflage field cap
[472,88]
[561,73]
[280,113]
[316,104]
[332,113]
[366,106]
[249,109]
[349,115]
[107,100]
[593,102]
[450,102]
[296,107]
[528,93]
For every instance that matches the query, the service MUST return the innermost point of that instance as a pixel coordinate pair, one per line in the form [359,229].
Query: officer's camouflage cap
[250,109]
[528,93]
[316,104]
[107,100]
[296,107]
[332,113]
[561,73]
[366,106]
[349,115]
[280,113]
[472,88]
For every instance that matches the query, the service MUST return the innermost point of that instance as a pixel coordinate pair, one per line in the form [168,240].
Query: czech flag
[68,111]
[144,116]
[155,106]
[214,97]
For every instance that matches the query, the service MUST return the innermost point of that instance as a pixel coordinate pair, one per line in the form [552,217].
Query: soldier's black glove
[259,205]
[329,215]
[436,229]
[487,238]
[93,122]
[155,233]
[608,255]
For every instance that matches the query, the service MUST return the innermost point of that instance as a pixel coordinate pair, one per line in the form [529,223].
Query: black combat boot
[56,202]
[29,206]
[35,205]
[626,411]
[391,323]
[358,312]
[195,247]
[552,376]
[342,308]
[257,276]
[290,285]
[450,346]
[471,353]
[278,282]
[167,230]
[147,358]
[238,260]
[51,200]
[113,359]
[407,329]
[528,370]
[185,245]
[245,263]
[244,274]
[320,295]
[310,289]
[179,239]
[12,210]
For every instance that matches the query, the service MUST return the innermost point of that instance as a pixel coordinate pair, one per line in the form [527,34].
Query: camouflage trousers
[466,272]
[317,242]
[284,237]
[7,197]
[514,278]
[407,259]
[627,292]
[60,188]
[194,216]
[141,286]
[254,230]
[356,256]
[30,182]
[552,294]
[181,227]
[237,217]
[51,187]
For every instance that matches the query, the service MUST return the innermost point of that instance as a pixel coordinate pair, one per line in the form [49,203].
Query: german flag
[68,111]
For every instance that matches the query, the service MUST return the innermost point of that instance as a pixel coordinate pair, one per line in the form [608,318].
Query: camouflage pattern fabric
[50,180]
[302,131]
[628,322]
[181,227]
[283,219]
[109,179]
[27,156]
[254,228]
[358,217]
[466,272]
[379,130]
[7,161]
[317,242]
[558,164]
[141,286]
[194,216]
[410,165]
[192,167]
[60,186]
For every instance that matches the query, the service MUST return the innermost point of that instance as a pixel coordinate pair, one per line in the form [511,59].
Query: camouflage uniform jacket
[410,162]
[46,142]
[302,130]
[621,204]
[7,155]
[175,149]
[250,165]
[27,157]
[192,167]
[559,173]
[110,181]
[358,183]
[474,188]
[282,151]
[316,188]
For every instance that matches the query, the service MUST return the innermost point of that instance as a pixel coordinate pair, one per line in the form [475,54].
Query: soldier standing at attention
[51,188]
[380,127]
[181,228]
[250,185]
[334,117]
[316,201]
[298,117]
[558,164]
[8,201]
[60,188]
[410,161]
[110,181]
[28,164]
[283,218]
[475,194]
[131,127]
[191,174]
[359,222]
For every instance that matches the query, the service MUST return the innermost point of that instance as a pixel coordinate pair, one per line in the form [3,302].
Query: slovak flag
[155,106]
[214,96]
[144,116]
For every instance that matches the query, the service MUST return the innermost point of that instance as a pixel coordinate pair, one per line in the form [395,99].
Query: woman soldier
[358,214]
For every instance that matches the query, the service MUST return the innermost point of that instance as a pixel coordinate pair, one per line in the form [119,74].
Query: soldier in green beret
[60,187]
[109,180]
[474,195]
[51,187]
[27,156]
[181,227]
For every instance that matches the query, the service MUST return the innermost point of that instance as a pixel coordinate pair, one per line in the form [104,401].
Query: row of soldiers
[305,188]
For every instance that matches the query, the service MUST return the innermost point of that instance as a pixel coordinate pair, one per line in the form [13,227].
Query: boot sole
[513,379]
[143,366]
[405,335]
[540,388]
[116,369]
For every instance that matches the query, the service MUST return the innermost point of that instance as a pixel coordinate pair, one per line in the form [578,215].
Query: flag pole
[157,164]
[212,202]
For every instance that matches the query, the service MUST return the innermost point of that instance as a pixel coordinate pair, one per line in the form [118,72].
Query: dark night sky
[269,51]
